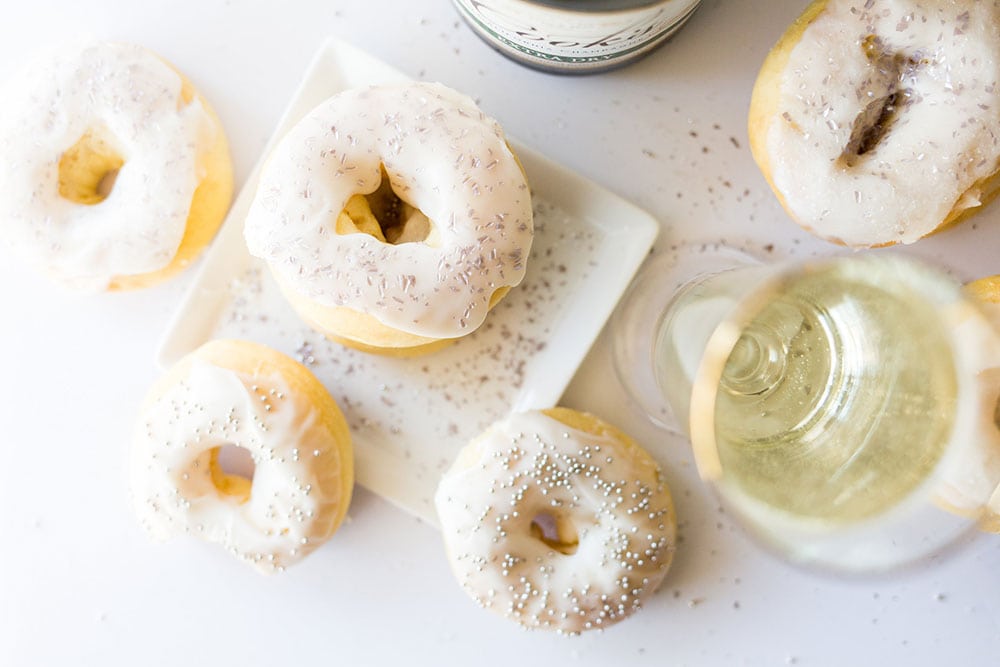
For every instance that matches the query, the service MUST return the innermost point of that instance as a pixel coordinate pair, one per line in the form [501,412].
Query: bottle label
[566,38]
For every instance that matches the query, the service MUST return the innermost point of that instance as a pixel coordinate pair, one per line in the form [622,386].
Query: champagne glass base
[639,316]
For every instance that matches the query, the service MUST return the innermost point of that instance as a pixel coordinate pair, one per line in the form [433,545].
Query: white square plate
[409,417]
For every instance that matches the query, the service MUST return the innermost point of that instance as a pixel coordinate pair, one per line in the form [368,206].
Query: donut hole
[874,122]
[232,469]
[872,125]
[386,216]
[557,532]
[88,170]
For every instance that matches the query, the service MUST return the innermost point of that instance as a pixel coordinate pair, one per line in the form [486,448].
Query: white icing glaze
[970,473]
[296,488]
[443,156]
[530,465]
[133,100]
[946,132]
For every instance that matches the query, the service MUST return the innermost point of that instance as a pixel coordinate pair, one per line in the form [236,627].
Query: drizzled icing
[132,100]
[443,156]
[529,465]
[296,493]
[926,75]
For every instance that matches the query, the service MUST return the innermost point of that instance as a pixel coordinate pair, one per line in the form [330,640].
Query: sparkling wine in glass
[840,407]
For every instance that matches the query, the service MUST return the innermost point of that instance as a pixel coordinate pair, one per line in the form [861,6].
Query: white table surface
[81,585]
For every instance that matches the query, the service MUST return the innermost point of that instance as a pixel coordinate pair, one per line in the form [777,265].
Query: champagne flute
[843,408]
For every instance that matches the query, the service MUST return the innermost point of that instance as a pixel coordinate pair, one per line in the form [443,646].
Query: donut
[244,396]
[878,123]
[557,520]
[393,217]
[973,488]
[114,171]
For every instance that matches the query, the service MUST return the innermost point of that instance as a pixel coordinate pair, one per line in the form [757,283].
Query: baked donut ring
[393,217]
[114,171]
[557,520]
[879,123]
[231,393]
[975,487]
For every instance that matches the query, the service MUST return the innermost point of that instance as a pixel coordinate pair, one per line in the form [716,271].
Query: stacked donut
[393,217]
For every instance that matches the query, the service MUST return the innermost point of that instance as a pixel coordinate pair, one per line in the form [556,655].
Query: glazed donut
[557,520]
[231,393]
[114,171]
[973,489]
[879,123]
[393,217]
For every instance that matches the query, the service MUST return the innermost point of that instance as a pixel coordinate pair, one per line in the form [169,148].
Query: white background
[81,585]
